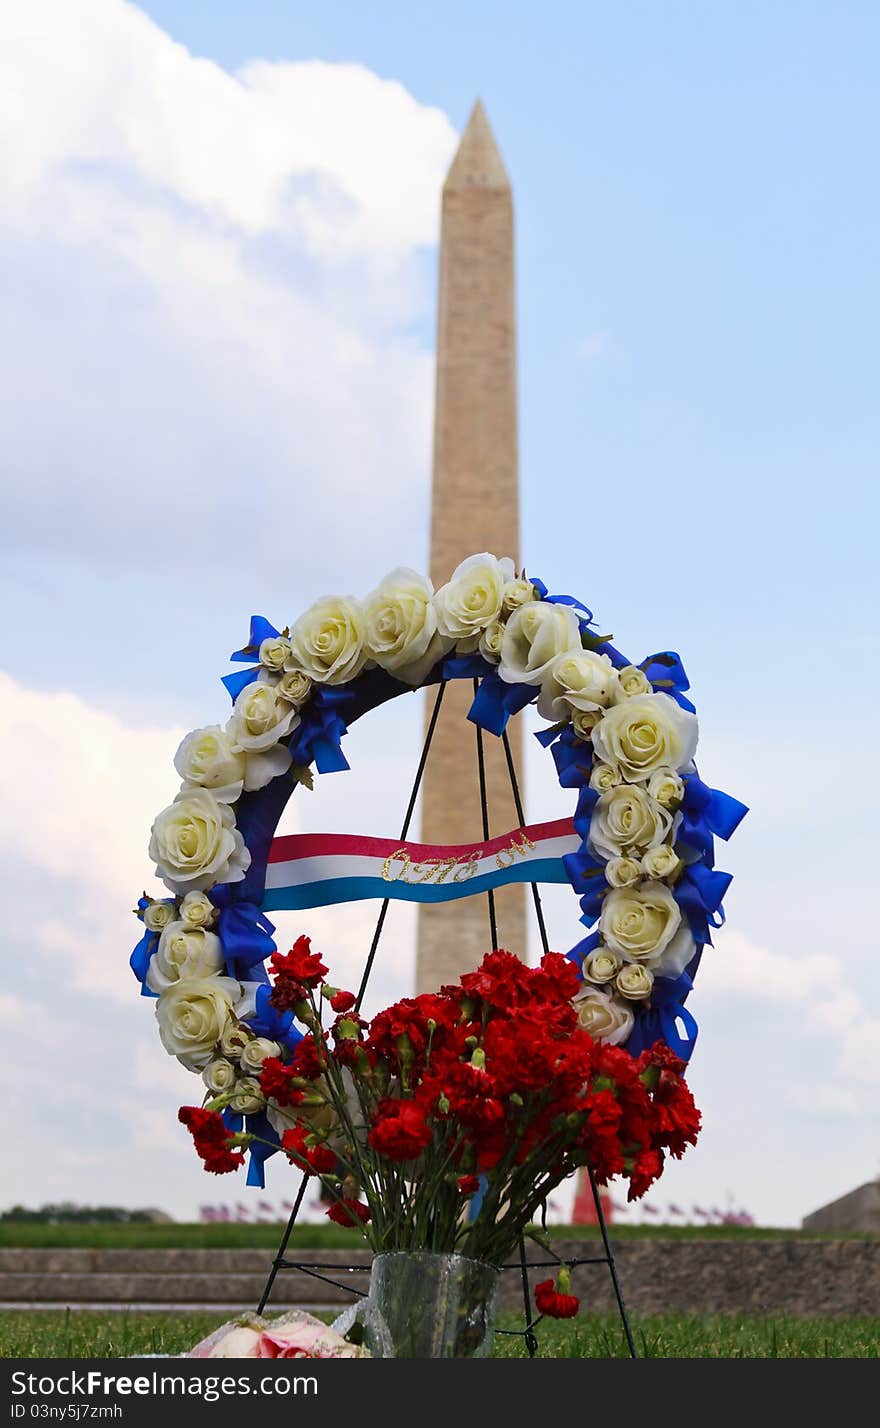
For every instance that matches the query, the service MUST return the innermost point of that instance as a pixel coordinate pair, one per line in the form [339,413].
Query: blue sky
[217,241]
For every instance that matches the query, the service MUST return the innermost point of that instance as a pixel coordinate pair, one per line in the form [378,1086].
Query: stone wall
[807,1277]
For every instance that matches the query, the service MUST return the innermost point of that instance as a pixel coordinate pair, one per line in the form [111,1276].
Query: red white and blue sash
[315,869]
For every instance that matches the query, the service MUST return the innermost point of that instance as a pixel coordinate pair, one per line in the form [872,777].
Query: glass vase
[430,1306]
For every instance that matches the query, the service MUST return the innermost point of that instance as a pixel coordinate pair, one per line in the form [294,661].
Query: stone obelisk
[474,507]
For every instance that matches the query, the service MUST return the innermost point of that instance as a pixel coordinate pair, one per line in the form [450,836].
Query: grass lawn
[62,1334]
[19,1235]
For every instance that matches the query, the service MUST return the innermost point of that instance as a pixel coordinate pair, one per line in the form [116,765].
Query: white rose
[576,679]
[248,1098]
[328,642]
[197,910]
[472,598]
[601,966]
[661,863]
[206,759]
[646,733]
[274,653]
[183,953]
[490,642]
[584,721]
[634,982]
[627,818]
[158,914]
[192,1016]
[640,922]
[631,681]
[255,1051]
[401,626]
[259,719]
[517,592]
[195,843]
[667,787]
[622,872]
[235,1038]
[605,1018]
[604,777]
[295,687]
[533,637]
[220,1076]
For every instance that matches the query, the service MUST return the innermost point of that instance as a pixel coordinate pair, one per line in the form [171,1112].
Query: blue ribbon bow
[244,930]
[658,1021]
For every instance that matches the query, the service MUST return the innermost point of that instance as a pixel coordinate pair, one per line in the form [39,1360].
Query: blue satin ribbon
[261,1126]
[573,760]
[657,1022]
[267,1021]
[699,893]
[583,949]
[140,959]
[706,812]
[244,930]
[495,701]
[666,674]
[318,737]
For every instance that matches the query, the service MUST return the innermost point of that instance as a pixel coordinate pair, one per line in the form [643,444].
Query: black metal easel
[317,1270]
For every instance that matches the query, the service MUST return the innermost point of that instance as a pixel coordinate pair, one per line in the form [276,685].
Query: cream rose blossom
[667,787]
[248,1098]
[195,843]
[646,733]
[472,599]
[255,1051]
[604,777]
[627,818]
[584,721]
[184,952]
[295,687]
[638,923]
[634,982]
[576,679]
[274,653]
[192,1016]
[601,966]
[518,592]
[622,872]
[235,1038]
[490,642]
[158,913]
[534,636]
[602,1015]
[260,720]
[401,626]
[328,642]
[220,1076]
[197,910]
[630,681]
[206,759]
[662,863]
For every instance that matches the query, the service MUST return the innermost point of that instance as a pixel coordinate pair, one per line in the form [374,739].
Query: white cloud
[212,281]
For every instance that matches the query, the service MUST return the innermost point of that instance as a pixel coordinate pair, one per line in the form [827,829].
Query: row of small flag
[696,1212]
[260,1214]
[265,1214]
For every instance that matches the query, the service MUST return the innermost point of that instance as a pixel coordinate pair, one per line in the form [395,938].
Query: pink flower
[307,1340]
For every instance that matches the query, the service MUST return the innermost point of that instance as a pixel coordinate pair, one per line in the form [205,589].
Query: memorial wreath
[507,1081]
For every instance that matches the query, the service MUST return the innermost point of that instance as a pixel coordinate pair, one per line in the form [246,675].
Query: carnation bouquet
[488,1086]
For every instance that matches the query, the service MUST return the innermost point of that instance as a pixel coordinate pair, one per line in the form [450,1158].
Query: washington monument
[474,507]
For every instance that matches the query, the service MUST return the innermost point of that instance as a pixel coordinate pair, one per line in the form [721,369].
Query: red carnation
[552,1302]
[343,1001]
[349,1212]
[313,1159]
[211,1139]
[468,1185]
[295,972]
[275,1081]
[399,1130]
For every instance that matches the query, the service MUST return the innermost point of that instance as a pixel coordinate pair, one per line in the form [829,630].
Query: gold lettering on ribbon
[461,868]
